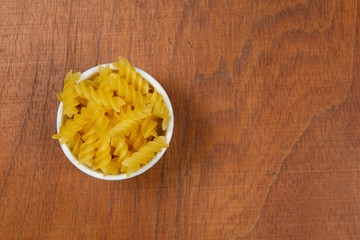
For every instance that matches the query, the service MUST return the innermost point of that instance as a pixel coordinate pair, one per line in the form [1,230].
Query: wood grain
[266,100]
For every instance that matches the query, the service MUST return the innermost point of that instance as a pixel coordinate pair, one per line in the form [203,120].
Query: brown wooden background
[266,96]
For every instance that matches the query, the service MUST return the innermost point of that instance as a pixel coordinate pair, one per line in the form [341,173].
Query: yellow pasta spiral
[87,151]
[148,128]
[88,130]
[159,105]
[124,127]
[68,96]
[129,124]
[126,91]
[112,168]
[86,92]
[137,139]
[121,148]
[166,119]
[108,100]
[74,144]
[104,77]
[131,75]
[103,156]
[160,108]
[72,126]
[144,154]
[98,116]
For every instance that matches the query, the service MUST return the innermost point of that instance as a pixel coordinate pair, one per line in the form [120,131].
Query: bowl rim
[97,174]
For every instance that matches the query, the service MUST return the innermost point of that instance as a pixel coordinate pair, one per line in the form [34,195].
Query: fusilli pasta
[144,154]
[116,119]
[68,96]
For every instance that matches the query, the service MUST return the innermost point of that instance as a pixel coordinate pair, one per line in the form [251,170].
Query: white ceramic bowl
[97,174]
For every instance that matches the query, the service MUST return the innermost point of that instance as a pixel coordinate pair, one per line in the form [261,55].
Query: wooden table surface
[266,96]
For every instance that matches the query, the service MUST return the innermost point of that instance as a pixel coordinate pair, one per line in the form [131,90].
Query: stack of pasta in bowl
[115,121]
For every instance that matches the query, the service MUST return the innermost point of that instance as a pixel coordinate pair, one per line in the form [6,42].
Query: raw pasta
[68,96]
[116,121]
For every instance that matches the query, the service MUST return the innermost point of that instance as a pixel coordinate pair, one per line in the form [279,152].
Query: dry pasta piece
[87,150]
[72,126]
[137,140]
[148,128]
[121,147]
[104,78]
[131,75]
[127,91]
[107,99]
[166,119]
[113,168]
[98,116]
[144,154]
[68,96]
[102,156]
[130,124]
[74,143]
[160,108]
